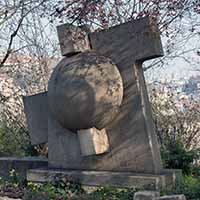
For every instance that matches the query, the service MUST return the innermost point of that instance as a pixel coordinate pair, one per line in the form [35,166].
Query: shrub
[14,140]
[190,187]
[175,156]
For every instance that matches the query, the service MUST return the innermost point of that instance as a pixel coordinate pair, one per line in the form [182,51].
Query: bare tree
[28,47]
[178,20]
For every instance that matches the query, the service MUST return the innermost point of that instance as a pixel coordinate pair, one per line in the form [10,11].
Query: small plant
[12,186]
[111,193]
[15,179]
[62,189]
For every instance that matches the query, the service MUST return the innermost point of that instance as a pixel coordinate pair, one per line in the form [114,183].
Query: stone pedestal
[103,178]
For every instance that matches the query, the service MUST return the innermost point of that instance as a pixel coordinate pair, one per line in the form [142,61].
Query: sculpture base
[107,178]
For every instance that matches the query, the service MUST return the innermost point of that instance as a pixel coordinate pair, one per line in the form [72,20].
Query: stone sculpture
[96,116]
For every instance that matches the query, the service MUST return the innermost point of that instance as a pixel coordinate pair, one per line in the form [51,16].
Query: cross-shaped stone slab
[132,139]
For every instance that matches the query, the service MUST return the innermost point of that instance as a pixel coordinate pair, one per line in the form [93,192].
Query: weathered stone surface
[146,195]
[7,198]
[21,165]
[36,110]
[137,40]
[176,176]
[85,91]
[99,178]
[153,195]
[93,141]
[68,148]
[172,197]
[133,143]
[73,39]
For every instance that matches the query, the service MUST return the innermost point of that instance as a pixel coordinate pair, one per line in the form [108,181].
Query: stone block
[176,176]
[21,165]
[93,141]
[36,110]
[172,197]
[7,198]
[146,195]
[73,39]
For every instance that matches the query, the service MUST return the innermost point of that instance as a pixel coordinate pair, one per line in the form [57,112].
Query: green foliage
[175,156]
[190,187]
[54,190]
[76,192]
[108,193]
[8,145]
[178,131]
[14,140]
[196,170]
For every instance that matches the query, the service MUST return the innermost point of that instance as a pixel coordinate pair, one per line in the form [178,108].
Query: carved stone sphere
[85,91]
